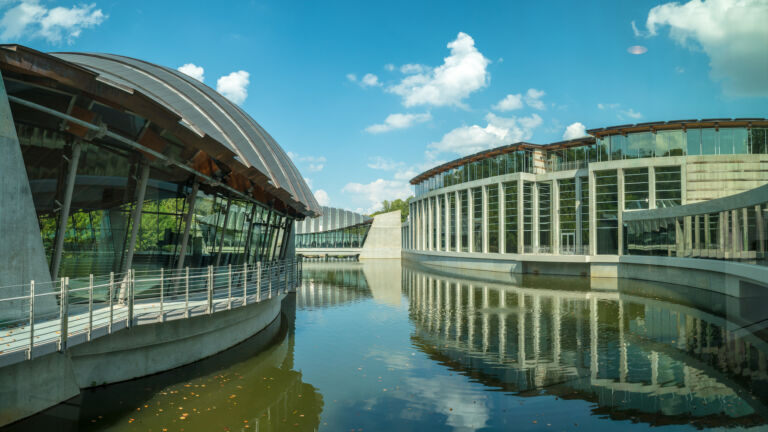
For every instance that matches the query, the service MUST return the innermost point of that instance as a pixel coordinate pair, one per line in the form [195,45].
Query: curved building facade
[116,163]
[566,202]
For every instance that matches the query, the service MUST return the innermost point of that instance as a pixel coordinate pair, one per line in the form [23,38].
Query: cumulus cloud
[603,106]
[234,86]
[632,113]
[463,72]
[191,69]
[29,19]
[733,33]
[370,80]
[352,77]
[499,131]
[377,191]
[389,67]
[322,198]
[575,130]
[509,103]
[533,99]
[398,121]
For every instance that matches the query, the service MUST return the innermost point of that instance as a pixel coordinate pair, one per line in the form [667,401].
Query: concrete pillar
[620,210]
[579,208]
[652,187]
[430,223]
[18,226]
[484,195]
[745,229]
[502,219]
[760,222]
[555,206]
[448,220]
[69,189]
[141,190]
[697,235]
[457,197]
[439,221]
[470,221]
[592,215]
[520,217]
[191,199]
[735,234]
[707,234]
[535,217]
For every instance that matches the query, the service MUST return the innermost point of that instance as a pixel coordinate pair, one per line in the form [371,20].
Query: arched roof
[206,112]
[332,219]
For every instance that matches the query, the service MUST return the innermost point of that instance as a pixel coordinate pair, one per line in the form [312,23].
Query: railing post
[210,289]
[64,314]
[229,287]
[245,284]
[186,292]
[270,276]
[258,281]
[90,305]
[111,293]
[162,292]
[131,283]
[31,318]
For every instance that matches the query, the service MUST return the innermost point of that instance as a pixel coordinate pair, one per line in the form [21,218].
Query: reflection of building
[564,204]
[113,163]
[341,233]
[634,356]
[324,287]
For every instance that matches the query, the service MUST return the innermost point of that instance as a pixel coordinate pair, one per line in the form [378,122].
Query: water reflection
[252,386]
[636,356]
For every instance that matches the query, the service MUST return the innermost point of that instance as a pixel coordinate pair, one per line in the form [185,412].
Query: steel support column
[65,207]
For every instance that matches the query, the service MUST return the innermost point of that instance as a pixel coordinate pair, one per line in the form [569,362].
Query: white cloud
[637,49]
[413,69]
[191,69]
[632,113]
[575,130]
[313,163]
[389,67]
[234,86]
[352,77]
[635,30]
[28,19]
[398,121]
[533,98]
[733,33]
[679,69]
[509,103]
[499,131]
[377,191]
[380,163]
[603,106]
[462,73]
[308,181]
[370,80]
[322,197]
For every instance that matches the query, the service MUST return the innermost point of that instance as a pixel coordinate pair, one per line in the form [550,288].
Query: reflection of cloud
[464,408]
[393,360]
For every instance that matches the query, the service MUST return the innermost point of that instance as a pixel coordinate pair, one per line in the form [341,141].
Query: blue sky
[366,95]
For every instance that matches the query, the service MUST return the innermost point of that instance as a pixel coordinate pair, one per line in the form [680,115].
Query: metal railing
[43,318]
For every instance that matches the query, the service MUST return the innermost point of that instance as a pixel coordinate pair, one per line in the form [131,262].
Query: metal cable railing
[42,318]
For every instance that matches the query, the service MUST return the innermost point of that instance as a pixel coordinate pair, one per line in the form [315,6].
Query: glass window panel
[492,192]
[510,217]
[606,211]
[636,195]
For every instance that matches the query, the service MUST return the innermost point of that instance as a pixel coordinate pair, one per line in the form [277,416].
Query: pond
[384,346]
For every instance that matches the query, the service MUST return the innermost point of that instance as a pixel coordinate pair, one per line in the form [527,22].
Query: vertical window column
[464,234]
[606,212]
[478,219]
[511,228]
[492,206]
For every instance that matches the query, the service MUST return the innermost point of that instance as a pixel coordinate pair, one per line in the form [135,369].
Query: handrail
[55,316]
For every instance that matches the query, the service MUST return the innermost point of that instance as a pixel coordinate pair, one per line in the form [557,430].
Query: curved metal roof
[206,112]
[332,219]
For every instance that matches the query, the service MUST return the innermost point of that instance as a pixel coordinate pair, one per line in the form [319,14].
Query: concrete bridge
[118,327]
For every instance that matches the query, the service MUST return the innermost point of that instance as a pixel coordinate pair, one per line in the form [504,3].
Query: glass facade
[349,237]
[96,238]
[606,208]
[567,213]
[492,192]
[636,195]
[464,205]
[668,186]
[545,217]
[477,220]
[510,217]
[555,210]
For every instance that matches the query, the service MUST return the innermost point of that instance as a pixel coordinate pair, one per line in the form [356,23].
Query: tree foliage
[398,204]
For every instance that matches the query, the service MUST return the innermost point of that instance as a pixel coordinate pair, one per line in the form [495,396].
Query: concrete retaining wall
[32,386]
[383,239]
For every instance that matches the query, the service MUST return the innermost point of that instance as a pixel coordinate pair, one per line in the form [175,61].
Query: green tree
[398,204]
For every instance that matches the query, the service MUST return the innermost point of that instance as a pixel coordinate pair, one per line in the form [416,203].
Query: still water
[382,347]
